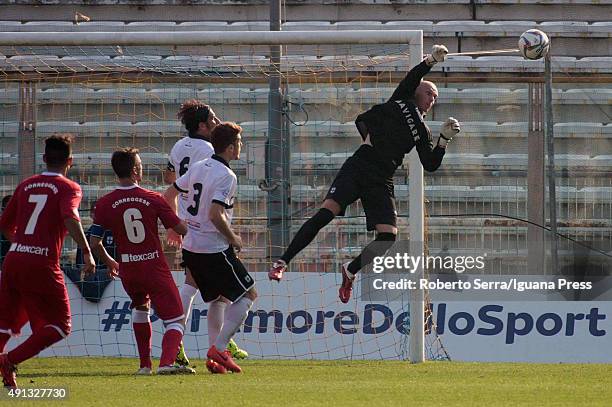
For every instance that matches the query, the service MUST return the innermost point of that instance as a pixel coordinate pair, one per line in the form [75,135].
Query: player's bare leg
[329,210]
[385,237]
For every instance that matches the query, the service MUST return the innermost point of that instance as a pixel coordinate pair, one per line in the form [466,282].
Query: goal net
[115,90]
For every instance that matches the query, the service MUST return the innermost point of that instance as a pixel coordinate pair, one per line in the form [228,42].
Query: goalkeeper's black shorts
[358,180]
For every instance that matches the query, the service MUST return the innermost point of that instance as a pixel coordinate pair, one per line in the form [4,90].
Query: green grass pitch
[110,382]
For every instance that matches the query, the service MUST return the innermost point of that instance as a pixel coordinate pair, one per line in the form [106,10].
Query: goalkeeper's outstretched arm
[430,156]
[408,85]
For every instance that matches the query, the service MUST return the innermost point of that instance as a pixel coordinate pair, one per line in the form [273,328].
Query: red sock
[170,346]
[4,338]
[142,332]
[36,343]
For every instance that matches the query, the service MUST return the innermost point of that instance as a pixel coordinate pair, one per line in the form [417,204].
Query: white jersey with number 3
[207,182]
[187,151]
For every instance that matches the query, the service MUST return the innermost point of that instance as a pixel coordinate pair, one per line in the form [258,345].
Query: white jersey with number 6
[207,182]
[187,151]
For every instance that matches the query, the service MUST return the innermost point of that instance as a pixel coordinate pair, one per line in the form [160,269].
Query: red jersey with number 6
[34,218]
[131,214]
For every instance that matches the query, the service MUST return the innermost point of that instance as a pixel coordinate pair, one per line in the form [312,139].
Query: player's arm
[169,174]
[431,154]
[168,217]
[170,196]
[98,249]
[180,228]
[218,218]
[75,230]
[173,237]
[69,212]
[408,85]
[222,198]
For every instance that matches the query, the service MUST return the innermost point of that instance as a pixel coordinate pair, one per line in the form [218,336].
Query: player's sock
[235,314]
[377,247]
[35,344]
[142,331]
[215,317]
[170,343]
[307,233]
[187,293]
[4,338]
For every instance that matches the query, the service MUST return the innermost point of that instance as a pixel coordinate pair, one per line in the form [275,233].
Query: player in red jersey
[131,213]
[32,287]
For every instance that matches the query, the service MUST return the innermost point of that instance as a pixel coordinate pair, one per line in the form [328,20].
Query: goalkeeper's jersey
[396,126]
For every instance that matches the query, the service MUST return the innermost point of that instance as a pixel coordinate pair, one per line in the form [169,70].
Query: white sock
[235,315]
[187,293]
[214,317]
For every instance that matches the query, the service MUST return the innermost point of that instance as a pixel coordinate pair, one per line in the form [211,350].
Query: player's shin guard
[235,314]
[36,343]
[142,331]
[377,247]
[215,317]
[170,343]
[307,233]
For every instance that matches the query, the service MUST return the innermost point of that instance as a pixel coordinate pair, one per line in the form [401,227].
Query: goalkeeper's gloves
[438,54]
[449,128]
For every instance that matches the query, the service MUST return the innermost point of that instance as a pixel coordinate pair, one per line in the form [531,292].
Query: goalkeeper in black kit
[389,131]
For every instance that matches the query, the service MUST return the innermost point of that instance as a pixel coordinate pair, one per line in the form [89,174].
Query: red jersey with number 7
[131,214]
[34,219]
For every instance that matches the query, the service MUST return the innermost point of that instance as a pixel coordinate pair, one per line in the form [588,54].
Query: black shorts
[218,274]
[357,179]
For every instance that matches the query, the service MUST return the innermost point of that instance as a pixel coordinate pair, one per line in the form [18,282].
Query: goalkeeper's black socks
[307,233]
[377,247]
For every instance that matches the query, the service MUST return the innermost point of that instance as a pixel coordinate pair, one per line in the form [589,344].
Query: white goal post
[413,39]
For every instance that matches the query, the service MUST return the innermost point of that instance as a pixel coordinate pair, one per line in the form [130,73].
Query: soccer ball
[533,44]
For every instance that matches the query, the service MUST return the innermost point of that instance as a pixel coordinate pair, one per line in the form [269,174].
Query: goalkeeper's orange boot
[277,270]
[214,367]
[223,358]
[8,370]
[346,289]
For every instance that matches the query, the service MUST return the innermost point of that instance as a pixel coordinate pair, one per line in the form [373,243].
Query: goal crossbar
[411,37]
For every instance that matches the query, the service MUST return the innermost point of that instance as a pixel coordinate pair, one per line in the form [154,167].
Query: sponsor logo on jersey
[409,120]
[131,258]
[193,224]
[22,248]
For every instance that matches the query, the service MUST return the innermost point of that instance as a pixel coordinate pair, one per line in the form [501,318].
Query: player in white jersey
[199,120]
[210,245]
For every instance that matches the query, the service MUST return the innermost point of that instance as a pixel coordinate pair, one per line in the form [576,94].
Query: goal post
[417,235]
[411,39]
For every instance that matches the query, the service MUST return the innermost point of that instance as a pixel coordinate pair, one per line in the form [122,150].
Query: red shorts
[155,285]
[32,293]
